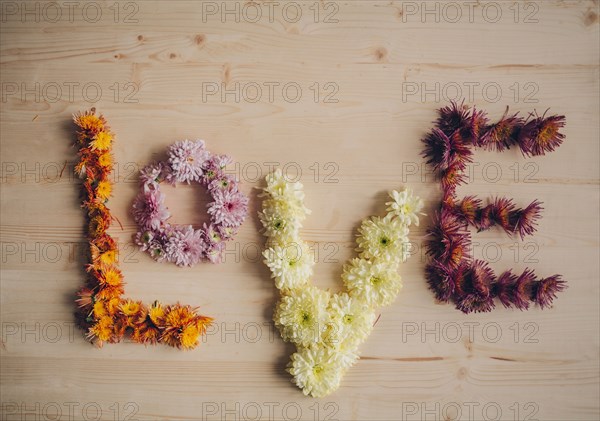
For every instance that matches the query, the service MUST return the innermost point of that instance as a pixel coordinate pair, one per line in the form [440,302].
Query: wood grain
[379,69]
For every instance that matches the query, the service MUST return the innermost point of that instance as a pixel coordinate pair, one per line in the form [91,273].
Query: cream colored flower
[302,316]
[318,370]
[383,237]
[291,264]
[281,221]
[351,321]
[405,206]
[376,283]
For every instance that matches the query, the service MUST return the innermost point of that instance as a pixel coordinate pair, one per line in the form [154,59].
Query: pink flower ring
[182,244]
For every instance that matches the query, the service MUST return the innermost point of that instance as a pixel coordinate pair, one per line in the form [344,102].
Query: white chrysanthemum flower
[351,321]
[405,206]
[279,222]
[277,185]
[376,283]
[384,238]
[318,370]
[279,189]
[302,315]
[291,264]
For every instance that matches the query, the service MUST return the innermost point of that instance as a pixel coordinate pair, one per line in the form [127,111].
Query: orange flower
[102,330]
[109,292]
[90,121]
[97,227]
[103,190]
[105,160]
[101,305]
[111,276]
[102,141]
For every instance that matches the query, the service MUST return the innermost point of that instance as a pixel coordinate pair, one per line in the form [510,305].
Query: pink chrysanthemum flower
[153,242]
[215,252]
[223,182]
[214,167]
[229,208]
[152,174]
[149,210]
[212,234]
[185,246]
[186,159]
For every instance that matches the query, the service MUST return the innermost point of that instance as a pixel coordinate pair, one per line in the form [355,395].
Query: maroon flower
[523,221]
[440,281]
[546,289]
[454,117]
[541,135]
[523,288]
[504,288]
[503,134]
[451,274]
[478,296]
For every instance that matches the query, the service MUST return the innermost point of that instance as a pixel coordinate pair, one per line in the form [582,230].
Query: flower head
[152,174]
[149,209]
[502,134]
[291,264]
[545,290]
[475,286]
[182,326]
[185,246]
[229,207]
[405,206]
[89,121]
[187,159]
[351,321]
[376,283]
[383,237]
[318,370]
[302,315]
[103,190]
[541,135]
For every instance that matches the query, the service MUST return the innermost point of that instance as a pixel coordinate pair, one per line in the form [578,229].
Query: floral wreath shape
[327,328]
[188,161]
[452,274]
[103,312]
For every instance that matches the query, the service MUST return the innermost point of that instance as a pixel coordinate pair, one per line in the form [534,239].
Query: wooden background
[369,75]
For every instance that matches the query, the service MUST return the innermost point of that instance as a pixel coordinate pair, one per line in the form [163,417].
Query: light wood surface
[423,360]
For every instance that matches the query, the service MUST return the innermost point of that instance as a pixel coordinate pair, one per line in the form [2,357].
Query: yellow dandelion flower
[130,307]
[109,292]
[103,190]
[157,314]
[89,121]
[112,305]
[103,329]
[102,141]
[99,309]
[112,276]
[109,257]
[105,160]
[189,337]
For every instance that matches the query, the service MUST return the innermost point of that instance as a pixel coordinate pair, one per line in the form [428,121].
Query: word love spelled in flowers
[103,312]
[183,245]
[452,274]
[328,328]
